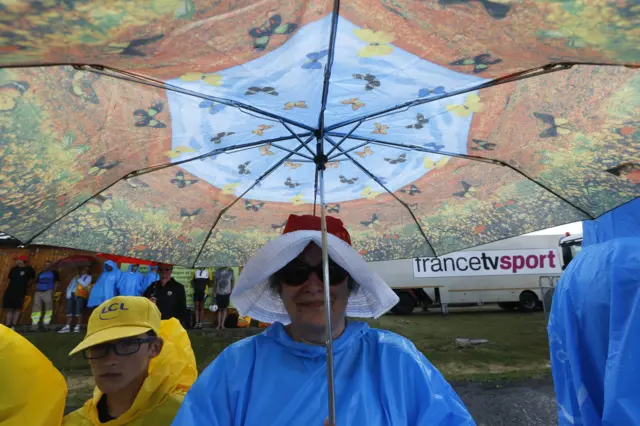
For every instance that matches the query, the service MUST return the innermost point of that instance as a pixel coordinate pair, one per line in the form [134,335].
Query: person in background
[20,278]
[105,287]
[224,280]
[142,366]
[593,335]
[46,284]
[77,293]
[130,282]
[200,283]
[150,277]
[168,294]
[279,377]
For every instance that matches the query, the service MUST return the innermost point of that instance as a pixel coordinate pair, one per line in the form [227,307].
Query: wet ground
[529,403]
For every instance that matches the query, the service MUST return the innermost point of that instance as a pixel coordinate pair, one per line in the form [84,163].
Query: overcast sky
[572,228]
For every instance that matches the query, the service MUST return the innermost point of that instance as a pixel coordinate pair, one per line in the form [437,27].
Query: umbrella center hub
[321,160]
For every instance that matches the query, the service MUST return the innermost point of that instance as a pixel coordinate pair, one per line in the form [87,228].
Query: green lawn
[518,347]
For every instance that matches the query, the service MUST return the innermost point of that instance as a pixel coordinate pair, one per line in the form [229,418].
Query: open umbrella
[187,131]
[126,259]
[75,261]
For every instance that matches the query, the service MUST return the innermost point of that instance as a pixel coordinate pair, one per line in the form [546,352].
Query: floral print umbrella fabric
[187,131]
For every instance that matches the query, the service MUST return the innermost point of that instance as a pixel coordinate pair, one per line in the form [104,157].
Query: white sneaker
[64,329]
[76,329]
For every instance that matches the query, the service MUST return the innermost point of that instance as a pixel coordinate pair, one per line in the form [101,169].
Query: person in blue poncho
[279,377]
[106,286]
[150,277]
[130,282]
[593,335]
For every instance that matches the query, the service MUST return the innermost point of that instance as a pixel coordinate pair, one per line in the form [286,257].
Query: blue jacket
[150,277]
[130,283]
[593,335]
[105,287]
[47,280]
[269,379]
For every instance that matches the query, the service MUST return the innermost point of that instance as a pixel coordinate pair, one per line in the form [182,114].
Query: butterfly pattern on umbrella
[480,62]
[313,60]
[496,10]
[82,86]
[371,80]
[377,52]
[101,165]
[272,27]
[148,117]
[268,90]
[211,106]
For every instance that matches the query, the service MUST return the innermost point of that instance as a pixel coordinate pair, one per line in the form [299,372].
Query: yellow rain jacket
[171,374]
[32,390]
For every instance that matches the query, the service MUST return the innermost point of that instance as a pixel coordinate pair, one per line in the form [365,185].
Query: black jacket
[170,299]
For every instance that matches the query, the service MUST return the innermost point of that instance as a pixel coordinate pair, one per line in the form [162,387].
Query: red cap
[313,223]
[23,258]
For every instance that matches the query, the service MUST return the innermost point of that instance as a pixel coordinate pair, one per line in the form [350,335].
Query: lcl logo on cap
[108,310]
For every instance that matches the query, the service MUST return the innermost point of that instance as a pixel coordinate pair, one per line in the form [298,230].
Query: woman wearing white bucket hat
[279,377]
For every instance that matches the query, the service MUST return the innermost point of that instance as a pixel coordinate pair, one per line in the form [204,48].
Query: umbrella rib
[345,137]
[290,150]
[521,75]
[407,148]
[474,158]
[223,150]
[146,170]
[372,176]
[341,154]
[257,181]
[298,138]
[148,81]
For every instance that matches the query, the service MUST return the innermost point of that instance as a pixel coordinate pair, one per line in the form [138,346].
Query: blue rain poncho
[105,287]
[130,283]
[269,379]
[150,277]
[593,334]
[623,222]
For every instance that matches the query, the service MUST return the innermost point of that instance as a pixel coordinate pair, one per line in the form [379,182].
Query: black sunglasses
[296,273]
[121,348]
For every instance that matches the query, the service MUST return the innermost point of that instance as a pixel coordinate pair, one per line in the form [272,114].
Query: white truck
[511,273]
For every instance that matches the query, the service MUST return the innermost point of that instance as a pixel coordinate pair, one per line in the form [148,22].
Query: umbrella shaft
[327,303]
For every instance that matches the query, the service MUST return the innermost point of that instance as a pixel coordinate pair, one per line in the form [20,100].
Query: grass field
[517,347]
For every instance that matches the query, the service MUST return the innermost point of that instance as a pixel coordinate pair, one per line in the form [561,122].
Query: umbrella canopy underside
[187,131]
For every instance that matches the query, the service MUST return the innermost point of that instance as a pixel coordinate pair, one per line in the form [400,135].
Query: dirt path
[529,403]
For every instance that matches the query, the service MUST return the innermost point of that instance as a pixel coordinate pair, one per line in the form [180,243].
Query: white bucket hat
[253,297]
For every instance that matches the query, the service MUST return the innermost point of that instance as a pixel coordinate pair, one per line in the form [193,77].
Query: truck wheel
[528,302]
[507,306]
[405,306]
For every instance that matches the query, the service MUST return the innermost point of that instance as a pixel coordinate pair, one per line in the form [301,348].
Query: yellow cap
[120,317]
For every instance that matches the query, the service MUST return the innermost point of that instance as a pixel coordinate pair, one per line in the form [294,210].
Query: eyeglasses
[296,273]
[121,347]
[165,269]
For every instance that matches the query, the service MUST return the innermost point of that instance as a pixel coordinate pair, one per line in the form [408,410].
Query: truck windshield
[569,251]
[575,249]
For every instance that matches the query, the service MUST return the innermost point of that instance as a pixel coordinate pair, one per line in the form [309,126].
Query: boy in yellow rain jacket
[142,366]
[32,391]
